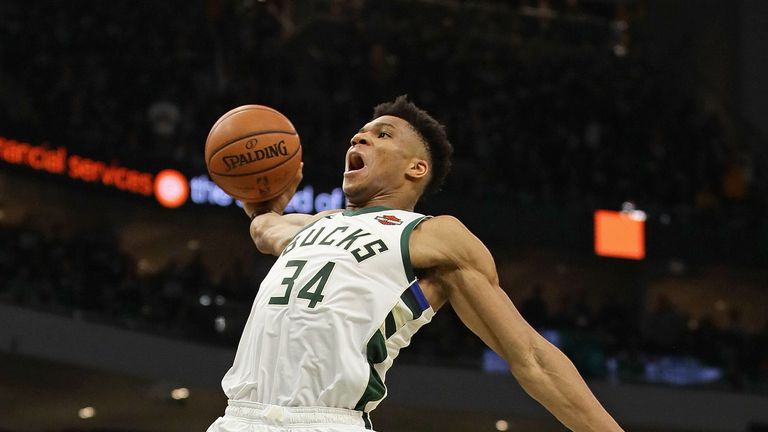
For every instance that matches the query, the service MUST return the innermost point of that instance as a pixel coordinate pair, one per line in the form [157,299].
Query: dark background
[555,109]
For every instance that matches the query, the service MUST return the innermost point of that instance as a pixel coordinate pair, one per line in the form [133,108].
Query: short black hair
[429,130]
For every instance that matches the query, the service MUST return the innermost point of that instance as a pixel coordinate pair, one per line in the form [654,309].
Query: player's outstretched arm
[270,229]
[465,270]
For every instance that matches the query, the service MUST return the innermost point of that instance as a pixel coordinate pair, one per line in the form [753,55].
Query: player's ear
[419,168]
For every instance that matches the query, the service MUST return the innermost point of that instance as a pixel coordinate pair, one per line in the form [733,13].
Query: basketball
[252,153]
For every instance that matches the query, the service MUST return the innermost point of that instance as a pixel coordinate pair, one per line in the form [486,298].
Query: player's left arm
[465,270]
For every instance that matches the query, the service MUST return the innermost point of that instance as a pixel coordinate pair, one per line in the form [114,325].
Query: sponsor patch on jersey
[389,220]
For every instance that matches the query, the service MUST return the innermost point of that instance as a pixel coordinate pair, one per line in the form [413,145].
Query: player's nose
[358,138]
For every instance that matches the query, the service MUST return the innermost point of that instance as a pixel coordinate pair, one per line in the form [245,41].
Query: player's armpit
[441,245]
[463,268]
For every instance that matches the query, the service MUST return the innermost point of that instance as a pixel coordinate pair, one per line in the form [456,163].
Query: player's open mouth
[355,163]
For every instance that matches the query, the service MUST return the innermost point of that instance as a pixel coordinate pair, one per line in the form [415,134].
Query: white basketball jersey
[332,314]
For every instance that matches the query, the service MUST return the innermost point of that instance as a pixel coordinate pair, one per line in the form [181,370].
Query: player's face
[379,157]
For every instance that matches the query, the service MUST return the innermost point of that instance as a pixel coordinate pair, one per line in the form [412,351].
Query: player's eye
[383,134]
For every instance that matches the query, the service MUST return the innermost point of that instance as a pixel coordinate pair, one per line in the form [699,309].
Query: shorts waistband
[275,415]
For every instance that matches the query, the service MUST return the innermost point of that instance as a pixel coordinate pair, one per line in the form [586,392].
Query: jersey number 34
[318,281]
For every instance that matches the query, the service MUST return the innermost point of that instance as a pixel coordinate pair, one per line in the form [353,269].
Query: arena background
[119,313]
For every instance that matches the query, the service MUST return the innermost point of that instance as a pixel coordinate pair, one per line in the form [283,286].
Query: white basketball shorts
[242,416]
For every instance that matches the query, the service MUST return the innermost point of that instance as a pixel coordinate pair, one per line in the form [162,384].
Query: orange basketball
[253,153]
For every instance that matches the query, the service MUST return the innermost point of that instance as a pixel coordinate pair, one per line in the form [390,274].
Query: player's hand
[278,203]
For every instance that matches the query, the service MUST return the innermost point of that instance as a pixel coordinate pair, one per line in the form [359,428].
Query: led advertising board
[169,187]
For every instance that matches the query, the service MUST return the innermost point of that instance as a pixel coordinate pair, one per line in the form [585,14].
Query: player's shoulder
[437,227]
[445,239]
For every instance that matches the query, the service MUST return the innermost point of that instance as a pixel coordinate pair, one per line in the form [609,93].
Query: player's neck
[400,202]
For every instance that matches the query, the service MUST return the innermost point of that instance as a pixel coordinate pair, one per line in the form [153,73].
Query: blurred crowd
[552,100]
[634,341]
[87,277]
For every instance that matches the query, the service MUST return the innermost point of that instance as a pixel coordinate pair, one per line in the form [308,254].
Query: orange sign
[110,175]
[620,234]
[57,161]
[36,157]
[171,188]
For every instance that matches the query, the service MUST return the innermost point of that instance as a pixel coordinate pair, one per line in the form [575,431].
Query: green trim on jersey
[367,421]
[365,210]
[390,326]
[405,250]
[376,351]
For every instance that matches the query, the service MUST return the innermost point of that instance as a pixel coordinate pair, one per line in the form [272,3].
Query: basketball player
[351,288]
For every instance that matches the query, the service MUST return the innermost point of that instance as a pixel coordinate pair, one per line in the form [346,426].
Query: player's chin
[349,187]
[354,189]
